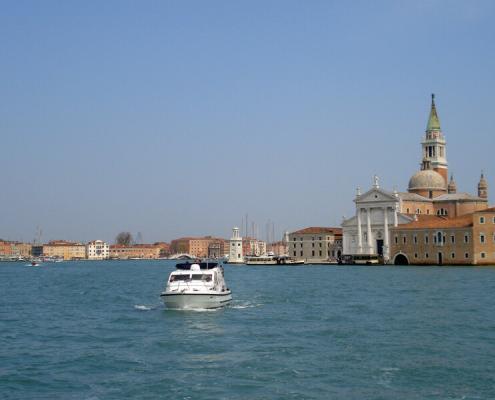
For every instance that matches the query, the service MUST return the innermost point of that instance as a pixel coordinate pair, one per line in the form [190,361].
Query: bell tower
[483,187]
[434,145]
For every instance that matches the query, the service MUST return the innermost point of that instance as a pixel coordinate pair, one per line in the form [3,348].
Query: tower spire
[433,120]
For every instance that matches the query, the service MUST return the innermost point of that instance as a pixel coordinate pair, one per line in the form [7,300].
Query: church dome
[427,179]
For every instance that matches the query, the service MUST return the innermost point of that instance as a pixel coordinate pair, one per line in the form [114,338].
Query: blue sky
[175,118]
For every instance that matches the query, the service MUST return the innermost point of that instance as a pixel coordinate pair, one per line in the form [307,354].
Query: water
[98,330]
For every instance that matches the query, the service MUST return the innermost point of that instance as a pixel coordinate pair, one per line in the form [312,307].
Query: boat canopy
[202,265]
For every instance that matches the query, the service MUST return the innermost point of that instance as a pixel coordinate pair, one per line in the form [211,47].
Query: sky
[178,118]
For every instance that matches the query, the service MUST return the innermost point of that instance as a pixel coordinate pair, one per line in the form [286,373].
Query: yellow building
[65,250]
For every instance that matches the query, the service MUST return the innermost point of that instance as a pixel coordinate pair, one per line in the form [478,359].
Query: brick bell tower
[434,145]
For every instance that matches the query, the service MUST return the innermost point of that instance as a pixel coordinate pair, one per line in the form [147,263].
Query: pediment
[376,195]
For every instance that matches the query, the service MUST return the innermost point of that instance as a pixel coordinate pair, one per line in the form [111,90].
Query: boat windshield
[201,277]
[174,278]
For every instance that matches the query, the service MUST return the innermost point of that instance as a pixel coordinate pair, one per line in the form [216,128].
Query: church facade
[368,232]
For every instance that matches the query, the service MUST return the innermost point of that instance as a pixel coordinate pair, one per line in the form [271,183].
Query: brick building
[464,240]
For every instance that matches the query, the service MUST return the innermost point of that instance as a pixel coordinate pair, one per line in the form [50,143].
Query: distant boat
[271,259]
[34,263]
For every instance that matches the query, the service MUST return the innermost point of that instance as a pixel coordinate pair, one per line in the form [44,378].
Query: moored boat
[197,286]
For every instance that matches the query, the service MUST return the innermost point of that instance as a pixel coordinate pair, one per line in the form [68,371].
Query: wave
[142,307]
[242,306]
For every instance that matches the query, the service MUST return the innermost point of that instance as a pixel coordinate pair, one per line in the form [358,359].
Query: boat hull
[191,301]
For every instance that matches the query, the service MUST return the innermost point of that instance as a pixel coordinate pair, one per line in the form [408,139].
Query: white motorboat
[197,286]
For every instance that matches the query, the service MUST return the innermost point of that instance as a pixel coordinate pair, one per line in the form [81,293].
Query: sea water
[98,330]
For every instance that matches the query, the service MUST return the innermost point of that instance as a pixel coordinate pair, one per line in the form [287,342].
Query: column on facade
[386,244]
[368,223]
[396,222]
[359,233]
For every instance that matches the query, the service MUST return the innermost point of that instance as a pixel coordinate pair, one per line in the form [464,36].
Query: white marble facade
[368,231]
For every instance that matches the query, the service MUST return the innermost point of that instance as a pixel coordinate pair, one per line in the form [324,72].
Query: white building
[97,250]
[235,248]
[367,232]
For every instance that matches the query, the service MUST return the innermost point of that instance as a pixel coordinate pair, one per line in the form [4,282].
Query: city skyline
[177,119]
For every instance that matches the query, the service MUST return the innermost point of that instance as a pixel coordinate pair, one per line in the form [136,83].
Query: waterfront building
[280,248]
[316,244]
[97,250]
[368,232]
[198,246]
[164,249]
[20,249]
[5,248]
[11,249]
[144,251]
[429,190]
[431,239]
[65,250]
[253,247]
[235,248]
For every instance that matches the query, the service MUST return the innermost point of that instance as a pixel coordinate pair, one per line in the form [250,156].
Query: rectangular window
[301,253]
[482,220]
[396,240]
[482,238]
[452,239]
[466,255]
[313,253]
[426,239]
[295,253]
[415,255]
[415,239]
[404,240]
[320,253]
[466,238]
[483,255]
[426,255]
[452,255]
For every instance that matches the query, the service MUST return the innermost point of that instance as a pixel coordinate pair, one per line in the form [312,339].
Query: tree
[124,238]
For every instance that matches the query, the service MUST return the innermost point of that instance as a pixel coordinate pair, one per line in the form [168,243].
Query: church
[429,193]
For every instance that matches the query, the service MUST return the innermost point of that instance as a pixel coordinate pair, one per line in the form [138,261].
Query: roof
[490,209]
[433,120]
[426,179]
[316,230]
[458,197]
[413,197]
[133,246]
[434,221]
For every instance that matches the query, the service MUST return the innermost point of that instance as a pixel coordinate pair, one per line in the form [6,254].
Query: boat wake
[241,306]
[142,307]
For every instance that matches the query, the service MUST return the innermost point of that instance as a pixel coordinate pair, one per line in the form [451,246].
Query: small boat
[33,263]
[199,285]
